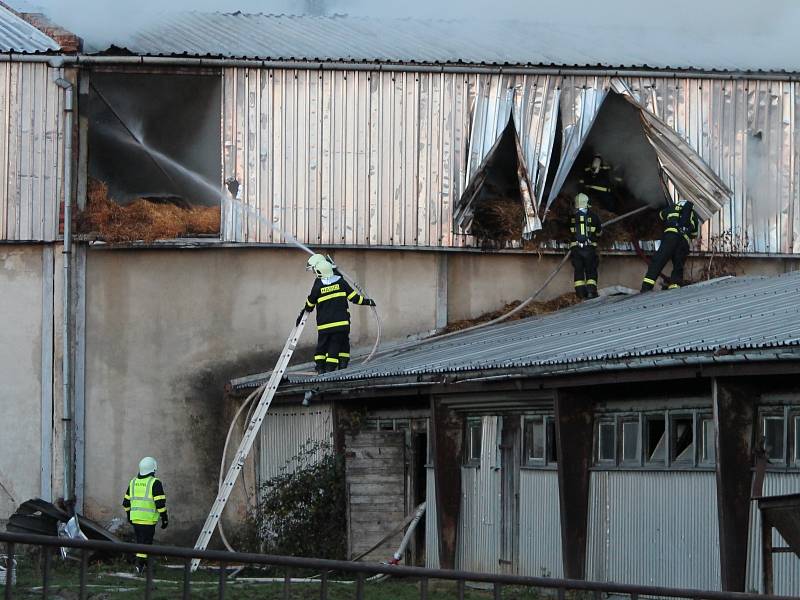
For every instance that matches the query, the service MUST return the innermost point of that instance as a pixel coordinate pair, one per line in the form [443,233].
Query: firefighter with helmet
[585,226]
[144,502]
[681,225]
[330,295]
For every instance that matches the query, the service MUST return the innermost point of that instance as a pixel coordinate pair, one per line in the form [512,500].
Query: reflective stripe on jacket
[143,504]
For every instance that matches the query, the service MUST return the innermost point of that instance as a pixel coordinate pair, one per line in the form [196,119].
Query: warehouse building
[380,151]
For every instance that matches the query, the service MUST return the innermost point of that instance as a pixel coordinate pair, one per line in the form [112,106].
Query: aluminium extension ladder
[248,439]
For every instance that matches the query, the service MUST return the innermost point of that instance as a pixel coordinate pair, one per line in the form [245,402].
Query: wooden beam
[446,442]
[735,404]
[574,410]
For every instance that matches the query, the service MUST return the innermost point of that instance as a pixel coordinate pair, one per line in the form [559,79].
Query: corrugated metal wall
[431,523]
[786,567]
[479,535]
[539,524]
[31,152]
[284,432]
[380,158]
[664,522]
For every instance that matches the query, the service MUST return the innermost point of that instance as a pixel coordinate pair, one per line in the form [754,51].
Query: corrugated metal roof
[494,42]
[734,318]
[17,35]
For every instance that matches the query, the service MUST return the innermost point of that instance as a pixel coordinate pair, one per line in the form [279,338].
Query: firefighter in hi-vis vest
[329,295]
[681,226]
[585,226]
[144,502]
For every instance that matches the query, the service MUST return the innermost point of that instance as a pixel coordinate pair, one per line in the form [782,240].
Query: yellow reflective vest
[143,504]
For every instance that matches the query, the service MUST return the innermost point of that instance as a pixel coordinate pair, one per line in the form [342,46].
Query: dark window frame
[549,458]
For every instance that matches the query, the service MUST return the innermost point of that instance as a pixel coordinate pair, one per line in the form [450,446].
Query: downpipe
[67,418]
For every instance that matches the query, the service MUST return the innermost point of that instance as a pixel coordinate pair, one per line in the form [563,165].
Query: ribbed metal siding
[479,540]
[374,158]
[285,430]
[785,567]
[746,131]
[539,524]
[654,528]
[431,523]
[380,158]
[31,152]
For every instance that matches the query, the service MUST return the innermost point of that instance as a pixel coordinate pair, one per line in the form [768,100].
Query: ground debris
[142,220]
[531,310]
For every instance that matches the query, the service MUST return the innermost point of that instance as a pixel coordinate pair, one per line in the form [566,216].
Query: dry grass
[533,309]
[142,220]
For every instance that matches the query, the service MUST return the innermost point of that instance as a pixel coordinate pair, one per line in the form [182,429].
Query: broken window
[606,441]
[709,454]
[774,431]
[630,441]
[154,154]
[473,435]
[682,437]
[656,445]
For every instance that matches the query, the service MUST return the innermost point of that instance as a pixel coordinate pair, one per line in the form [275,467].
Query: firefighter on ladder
[330,295]
[681,225]
[585,226]
[144,502]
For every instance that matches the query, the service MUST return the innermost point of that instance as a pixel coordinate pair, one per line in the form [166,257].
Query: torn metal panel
[685,169]
[579,109]
[536,110]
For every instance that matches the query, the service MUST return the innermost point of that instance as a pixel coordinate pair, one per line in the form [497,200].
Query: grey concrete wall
[166,329]
[20,375]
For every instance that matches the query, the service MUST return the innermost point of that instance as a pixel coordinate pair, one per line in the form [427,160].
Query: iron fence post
[84,569]
[323,586]
[423,588]
[187,573]
[9,569]
[222,574]
[148,583]
[46,557]
[498,591]
[360,586]
[287,580]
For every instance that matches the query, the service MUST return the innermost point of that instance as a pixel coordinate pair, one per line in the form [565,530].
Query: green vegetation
[116,581]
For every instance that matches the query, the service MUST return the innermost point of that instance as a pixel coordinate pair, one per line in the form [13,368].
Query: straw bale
[498,219]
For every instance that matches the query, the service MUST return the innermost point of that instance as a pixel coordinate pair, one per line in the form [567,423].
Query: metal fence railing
[15,543]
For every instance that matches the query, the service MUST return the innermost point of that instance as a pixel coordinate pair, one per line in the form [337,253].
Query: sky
[101,20]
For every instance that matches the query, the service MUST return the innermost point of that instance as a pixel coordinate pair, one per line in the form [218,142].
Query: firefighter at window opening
[599,182]
[681,225]
[329,295]
[144,502]
[585,226]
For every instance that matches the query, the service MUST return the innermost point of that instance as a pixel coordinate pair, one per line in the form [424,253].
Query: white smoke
[649,25]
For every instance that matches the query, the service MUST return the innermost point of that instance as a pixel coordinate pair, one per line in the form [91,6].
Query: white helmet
[147,465]
[320,265]
[581,201]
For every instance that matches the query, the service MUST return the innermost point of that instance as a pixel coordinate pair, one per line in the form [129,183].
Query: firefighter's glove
[369,302]
[164,521]
[299,318]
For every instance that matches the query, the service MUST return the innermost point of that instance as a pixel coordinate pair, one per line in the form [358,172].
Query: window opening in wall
[474,433]
[774,432]
[796,422]
[606,441]
[709,453]
[534,439]
[656,445]
[630,441]
[552,452]
[154,156]
[682,439]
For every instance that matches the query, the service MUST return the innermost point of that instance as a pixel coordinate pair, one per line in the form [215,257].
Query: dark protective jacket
[682,221]
[602,181]
[158,496]
[585,226]
[330,300]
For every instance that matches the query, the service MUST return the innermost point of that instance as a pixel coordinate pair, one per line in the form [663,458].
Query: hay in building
[498,220]
[531,310]
[639,227]
[142,220]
